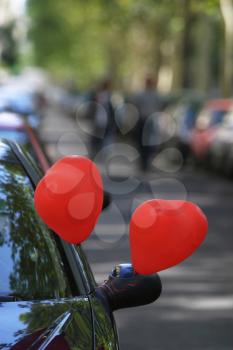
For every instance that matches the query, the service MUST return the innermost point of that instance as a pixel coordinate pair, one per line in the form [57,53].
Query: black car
[48,295]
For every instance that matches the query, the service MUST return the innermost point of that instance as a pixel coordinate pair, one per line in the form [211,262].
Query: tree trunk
[181,68]
[227,13]
[202,75]
[186,43]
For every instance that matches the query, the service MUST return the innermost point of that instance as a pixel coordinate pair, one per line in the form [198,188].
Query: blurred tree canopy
[8,45]
[181,42]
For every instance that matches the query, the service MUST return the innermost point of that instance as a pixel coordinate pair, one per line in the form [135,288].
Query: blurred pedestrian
[102,116]
[147,103]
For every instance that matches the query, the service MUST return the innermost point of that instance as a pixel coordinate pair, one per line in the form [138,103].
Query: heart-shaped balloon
[69,198]
[165,232]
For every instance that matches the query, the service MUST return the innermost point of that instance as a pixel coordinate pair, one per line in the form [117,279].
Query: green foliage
[68,38]
[88,39]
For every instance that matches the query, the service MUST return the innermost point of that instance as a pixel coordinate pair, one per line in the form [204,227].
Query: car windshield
[30,264]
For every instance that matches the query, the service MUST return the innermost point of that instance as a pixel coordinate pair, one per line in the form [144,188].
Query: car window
[217,117]
[30,264]
[209,118]
[21,137]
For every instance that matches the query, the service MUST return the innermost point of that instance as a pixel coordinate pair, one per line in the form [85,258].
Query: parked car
[13,127]
[206,126]
[176,122]
[184,115]
[15,99]
[220,152]
[48,296]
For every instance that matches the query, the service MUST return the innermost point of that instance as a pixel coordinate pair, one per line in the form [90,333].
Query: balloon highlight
[69,198]
[165,232]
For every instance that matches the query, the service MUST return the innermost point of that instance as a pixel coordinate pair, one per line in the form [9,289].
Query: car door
[104,330]
[42,305]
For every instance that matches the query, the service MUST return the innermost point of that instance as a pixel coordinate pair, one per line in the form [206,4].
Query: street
[195,310]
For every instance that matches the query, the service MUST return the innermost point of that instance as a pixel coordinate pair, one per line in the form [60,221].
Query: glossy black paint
[50,324]
[82,320]
[105,335]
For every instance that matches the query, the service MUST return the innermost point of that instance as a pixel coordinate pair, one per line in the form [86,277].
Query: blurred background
[144,88]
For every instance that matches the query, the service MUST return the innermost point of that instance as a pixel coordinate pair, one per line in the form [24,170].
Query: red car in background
[206,126]
[14,128]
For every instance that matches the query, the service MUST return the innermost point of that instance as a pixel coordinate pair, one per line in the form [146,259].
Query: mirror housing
[125,288]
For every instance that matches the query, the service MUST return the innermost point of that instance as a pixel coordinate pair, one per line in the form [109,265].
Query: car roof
[10,120]
[224,104]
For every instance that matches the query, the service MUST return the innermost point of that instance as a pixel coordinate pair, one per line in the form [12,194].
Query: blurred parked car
[66,101]
[48,296]
[70,102]
[220,152]
[176,122]
[206,126]
[21,101]
[13,127]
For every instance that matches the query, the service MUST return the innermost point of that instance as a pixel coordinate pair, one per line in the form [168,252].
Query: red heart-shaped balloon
[69,198]
[165,232]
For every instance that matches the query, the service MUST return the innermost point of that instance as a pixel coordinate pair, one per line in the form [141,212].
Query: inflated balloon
[165,232]
[69,198]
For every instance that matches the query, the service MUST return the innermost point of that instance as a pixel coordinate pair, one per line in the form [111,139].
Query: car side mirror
[125,288]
